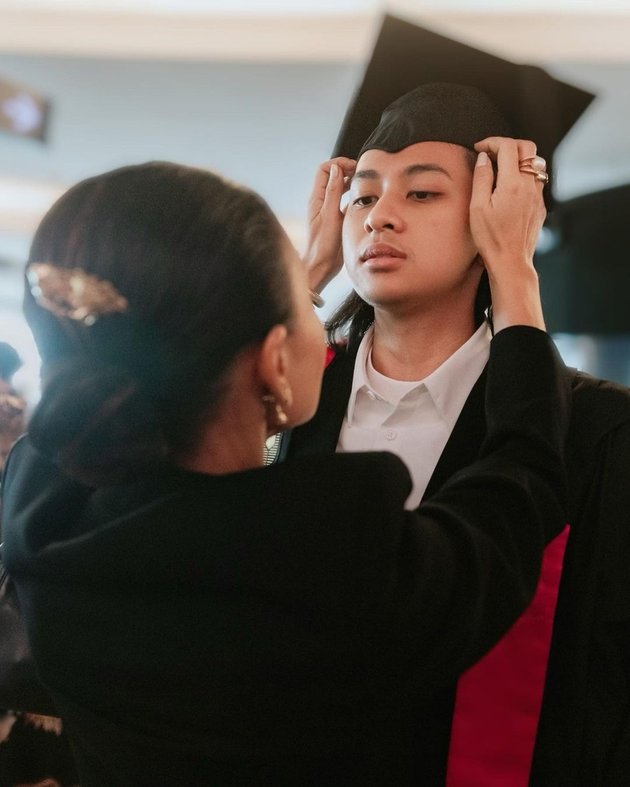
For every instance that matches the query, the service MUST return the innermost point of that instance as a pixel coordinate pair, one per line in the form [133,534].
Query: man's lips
[381,253]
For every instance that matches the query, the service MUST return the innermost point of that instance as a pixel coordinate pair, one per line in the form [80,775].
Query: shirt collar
[359,379]
[449,385]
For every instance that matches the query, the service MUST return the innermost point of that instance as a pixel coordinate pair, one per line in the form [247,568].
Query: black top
[280,625]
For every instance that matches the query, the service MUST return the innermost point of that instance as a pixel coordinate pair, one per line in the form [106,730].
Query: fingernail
[334,170]
[482,159]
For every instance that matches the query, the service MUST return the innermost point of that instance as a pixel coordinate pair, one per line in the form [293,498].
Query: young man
[410,379]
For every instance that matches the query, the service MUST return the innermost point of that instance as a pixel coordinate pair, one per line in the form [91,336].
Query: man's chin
[390,300]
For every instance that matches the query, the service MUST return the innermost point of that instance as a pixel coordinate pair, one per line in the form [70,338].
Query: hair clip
[73,293]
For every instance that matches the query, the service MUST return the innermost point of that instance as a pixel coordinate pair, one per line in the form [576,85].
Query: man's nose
[383,215]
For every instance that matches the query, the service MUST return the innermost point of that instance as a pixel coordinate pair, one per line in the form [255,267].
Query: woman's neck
[227,448]
[233,437]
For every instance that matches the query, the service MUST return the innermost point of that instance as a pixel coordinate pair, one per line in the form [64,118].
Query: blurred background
[257,90]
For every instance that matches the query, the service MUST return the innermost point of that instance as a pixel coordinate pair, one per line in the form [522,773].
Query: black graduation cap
[535,105]
[585,271]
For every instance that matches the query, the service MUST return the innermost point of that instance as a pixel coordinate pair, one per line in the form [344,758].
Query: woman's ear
[273,359]
[277,396]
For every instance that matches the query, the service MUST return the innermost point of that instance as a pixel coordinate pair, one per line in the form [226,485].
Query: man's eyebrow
[366,174]
[412,169]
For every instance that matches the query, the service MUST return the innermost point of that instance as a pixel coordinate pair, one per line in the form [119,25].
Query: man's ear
[273,362]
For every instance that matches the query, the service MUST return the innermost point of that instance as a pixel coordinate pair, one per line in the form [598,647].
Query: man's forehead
[439,157]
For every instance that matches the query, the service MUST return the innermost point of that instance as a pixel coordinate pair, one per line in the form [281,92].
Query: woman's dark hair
[200,262]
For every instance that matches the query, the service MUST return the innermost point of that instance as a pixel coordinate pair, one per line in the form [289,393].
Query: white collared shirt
[411,419]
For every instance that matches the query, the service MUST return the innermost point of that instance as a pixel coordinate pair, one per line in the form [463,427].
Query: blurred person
[199,618]
[551,703]
[35,746]
[12,405]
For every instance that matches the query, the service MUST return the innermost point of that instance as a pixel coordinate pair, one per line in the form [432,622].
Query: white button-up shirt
[411,419]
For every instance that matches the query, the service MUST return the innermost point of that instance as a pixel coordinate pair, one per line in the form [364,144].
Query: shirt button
[391,434]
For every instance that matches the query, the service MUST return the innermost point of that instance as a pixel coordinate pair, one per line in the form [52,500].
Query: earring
[276,417]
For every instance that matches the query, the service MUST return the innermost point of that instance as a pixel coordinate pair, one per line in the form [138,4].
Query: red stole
[498,700]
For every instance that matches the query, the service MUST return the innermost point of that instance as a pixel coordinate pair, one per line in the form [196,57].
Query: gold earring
[276,417]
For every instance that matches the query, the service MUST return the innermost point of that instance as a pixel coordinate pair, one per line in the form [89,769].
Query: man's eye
[421,196]
[363,201]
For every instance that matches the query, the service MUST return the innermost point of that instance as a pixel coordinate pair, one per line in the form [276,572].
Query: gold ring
[533,162]
[543,177]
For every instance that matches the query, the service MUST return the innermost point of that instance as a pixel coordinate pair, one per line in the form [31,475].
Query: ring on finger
[537,163]
[543,177]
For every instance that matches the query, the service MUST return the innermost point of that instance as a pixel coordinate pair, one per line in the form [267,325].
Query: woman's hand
[506,216]
[323,252]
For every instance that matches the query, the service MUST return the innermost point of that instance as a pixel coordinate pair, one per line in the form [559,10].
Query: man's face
[406,234]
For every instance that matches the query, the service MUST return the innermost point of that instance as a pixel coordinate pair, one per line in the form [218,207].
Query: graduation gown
[583,735]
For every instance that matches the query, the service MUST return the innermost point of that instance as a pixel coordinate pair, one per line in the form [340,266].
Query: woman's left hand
[325,218]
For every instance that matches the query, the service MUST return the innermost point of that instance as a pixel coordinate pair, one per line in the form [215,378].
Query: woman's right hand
[323,251]
[506,216]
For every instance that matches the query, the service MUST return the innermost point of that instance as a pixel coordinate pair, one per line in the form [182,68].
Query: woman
[200,619]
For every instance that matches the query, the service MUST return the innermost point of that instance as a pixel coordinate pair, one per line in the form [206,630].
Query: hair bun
[97,423]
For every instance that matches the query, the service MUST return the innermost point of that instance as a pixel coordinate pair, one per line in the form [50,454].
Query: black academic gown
[584,729]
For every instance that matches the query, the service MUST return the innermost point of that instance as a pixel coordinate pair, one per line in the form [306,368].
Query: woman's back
[212,629]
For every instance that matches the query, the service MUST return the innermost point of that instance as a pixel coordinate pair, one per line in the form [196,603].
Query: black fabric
[437,112]
[20,689]
[32,754]
[584,271]
[281,625]
[584,733]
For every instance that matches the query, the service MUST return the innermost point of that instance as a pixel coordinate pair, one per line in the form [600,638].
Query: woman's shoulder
[374,477]
[369,463]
